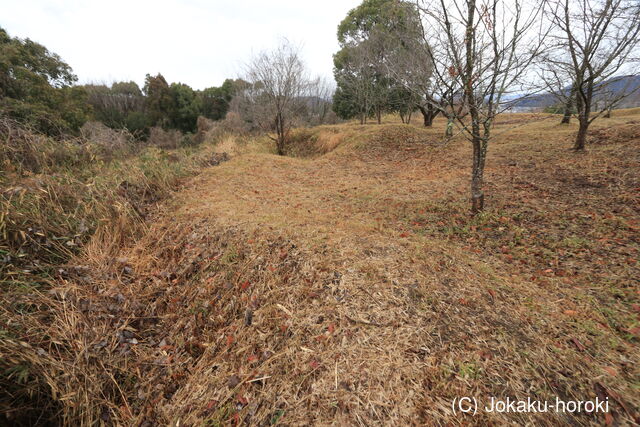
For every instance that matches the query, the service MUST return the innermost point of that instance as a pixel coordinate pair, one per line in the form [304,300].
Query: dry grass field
[347,284]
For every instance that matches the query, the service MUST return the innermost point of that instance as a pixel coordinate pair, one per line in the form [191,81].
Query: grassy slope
[354,287]
[55,197]
[536,297]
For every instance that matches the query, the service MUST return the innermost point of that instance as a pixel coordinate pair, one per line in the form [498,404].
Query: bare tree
[592,42]
[480,51]
[319,104]
[279,84]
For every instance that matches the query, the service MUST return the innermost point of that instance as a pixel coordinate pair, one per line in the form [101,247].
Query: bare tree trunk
[568,106]
[428,121]
[379,114]
[566,118]
[280,134]
[583,104]
[409,117]
[428,114]
[425,115]
[477,173]
[477,169]
[581,138]
[448,132]
[365,112]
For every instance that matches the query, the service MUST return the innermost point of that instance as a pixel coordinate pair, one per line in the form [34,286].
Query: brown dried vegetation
[353,288]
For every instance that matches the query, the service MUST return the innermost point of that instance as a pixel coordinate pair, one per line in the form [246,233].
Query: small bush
[162,138]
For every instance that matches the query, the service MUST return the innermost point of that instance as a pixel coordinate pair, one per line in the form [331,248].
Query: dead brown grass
[54,196]
[354,289]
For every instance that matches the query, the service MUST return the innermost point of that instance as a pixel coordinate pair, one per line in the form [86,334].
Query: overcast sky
[198,42]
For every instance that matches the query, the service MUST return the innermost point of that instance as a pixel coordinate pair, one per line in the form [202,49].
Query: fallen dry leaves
[374,297]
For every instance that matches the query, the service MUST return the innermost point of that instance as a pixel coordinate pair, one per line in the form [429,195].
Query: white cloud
[197,42]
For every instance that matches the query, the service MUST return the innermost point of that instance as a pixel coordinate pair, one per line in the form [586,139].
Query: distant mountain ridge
[617,85]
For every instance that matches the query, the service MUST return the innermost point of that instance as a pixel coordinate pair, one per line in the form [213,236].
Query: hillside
[349,285]
[614,86]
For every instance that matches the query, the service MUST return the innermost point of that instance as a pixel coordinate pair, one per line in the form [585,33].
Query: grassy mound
[388,139]
[352,287]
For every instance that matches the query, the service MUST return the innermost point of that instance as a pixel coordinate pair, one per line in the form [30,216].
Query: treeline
[39,89]
[158,103]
